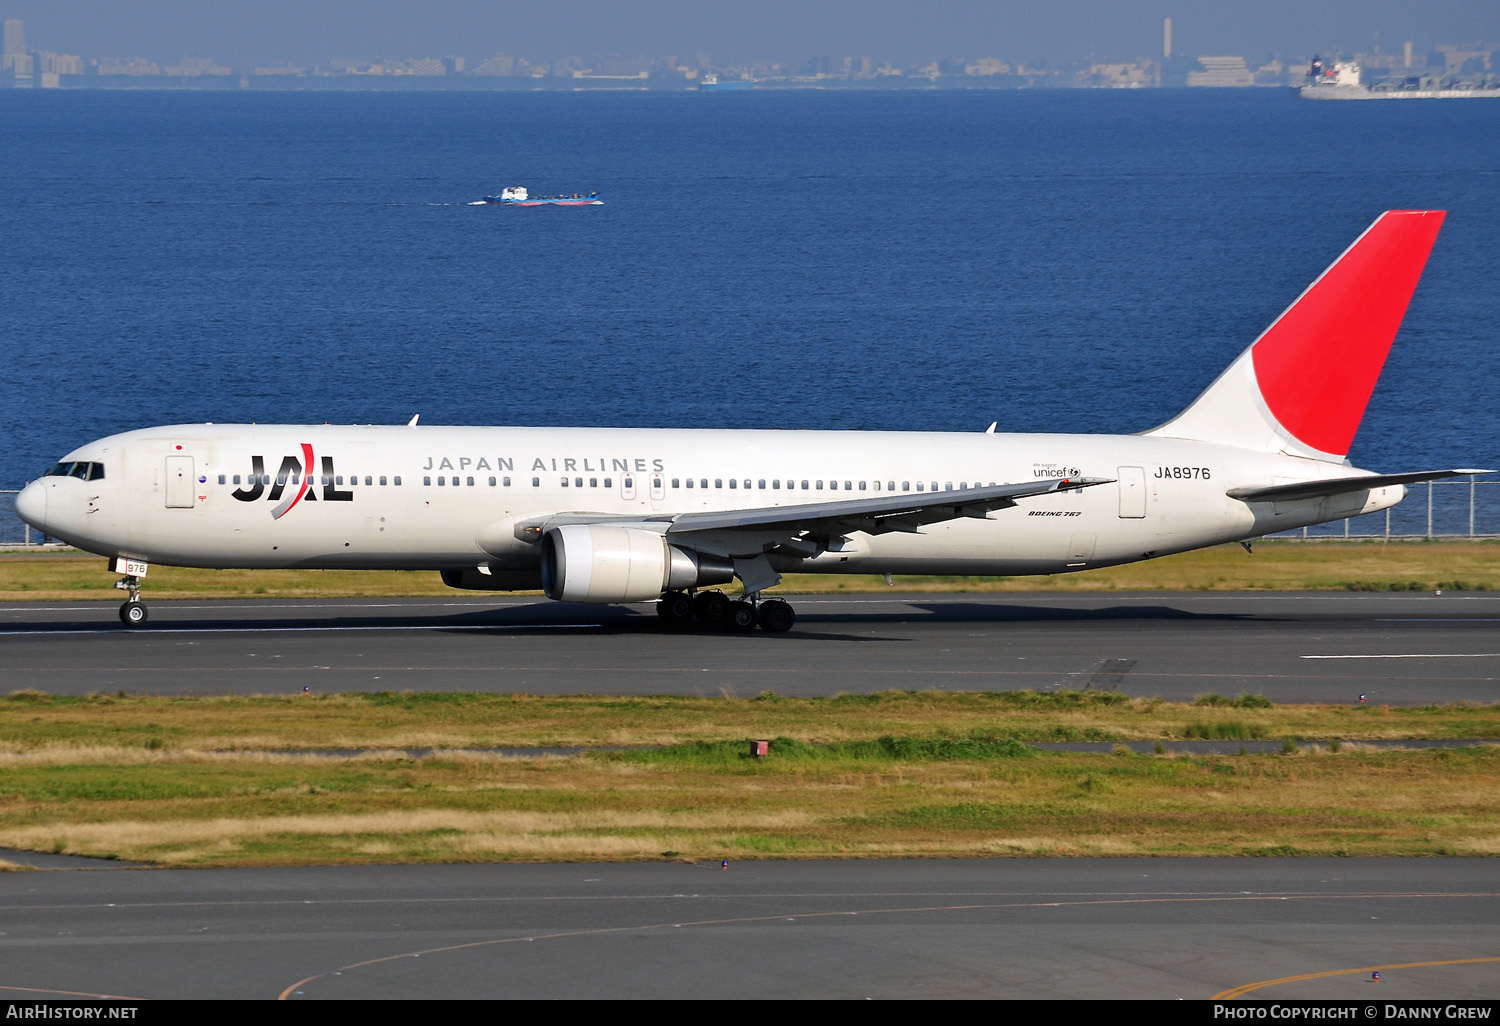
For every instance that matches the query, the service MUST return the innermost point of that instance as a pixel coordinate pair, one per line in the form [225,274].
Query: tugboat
[516,196]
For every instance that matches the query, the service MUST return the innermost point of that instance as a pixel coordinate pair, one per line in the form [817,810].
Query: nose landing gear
[133,610]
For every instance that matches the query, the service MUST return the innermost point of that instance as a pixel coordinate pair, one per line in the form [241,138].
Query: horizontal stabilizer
[1340,485]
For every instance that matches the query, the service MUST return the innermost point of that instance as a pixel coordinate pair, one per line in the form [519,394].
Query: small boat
[516,196]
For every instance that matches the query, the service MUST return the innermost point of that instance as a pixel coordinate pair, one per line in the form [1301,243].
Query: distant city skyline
[899,31]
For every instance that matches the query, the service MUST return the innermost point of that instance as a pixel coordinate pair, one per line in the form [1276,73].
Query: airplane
[633,515]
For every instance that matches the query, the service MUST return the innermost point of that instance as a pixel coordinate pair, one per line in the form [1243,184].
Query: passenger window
[862,485]
[221,479]
[947,486]
[382,481]
[834,485]
[340,480]
[849,487]
[776,484]
[442,481]
[608,482]
[676,483]
[578,482]
[565,482]
[689,482]
[236,479]
[718,482]
[593,482]
[469,482]
[963,485]
[919,486]
[804,484]
[505,482]
[397,480]
[820,484]
[492,482]
[536,482]
[702,482]
[427,481]
[733,482]
[762,483]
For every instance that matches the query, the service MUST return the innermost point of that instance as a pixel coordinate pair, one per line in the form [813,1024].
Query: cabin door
[1132,492]
[180,485]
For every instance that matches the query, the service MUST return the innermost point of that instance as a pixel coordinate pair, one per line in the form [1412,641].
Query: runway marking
[1240,991]
[73,993]
[1413,655]
[785,916]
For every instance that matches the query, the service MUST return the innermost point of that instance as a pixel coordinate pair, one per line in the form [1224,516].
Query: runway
[1127,928]
[1399,649]
[1163,928]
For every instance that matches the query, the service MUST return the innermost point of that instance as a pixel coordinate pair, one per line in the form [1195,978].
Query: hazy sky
[901,31]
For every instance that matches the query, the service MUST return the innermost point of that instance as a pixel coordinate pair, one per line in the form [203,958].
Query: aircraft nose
[31,505]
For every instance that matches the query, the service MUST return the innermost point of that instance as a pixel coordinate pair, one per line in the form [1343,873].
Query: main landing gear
[714,608]
[133,611]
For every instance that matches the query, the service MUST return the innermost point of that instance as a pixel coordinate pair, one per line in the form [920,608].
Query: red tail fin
[1304,384]
[1318,364]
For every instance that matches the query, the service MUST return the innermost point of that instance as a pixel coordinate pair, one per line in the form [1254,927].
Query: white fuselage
[184,495]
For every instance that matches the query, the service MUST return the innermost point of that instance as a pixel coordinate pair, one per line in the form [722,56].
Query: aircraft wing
[765,525]
[1339,485]
[879,514]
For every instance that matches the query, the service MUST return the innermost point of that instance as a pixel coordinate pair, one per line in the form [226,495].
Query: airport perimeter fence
[1455,508]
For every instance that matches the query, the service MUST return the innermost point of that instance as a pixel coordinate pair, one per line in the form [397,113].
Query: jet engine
[599,563]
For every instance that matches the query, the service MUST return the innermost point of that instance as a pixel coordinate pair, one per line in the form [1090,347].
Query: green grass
[894,796]
[219,781]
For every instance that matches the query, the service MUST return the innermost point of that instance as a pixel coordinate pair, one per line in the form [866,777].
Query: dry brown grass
[231,812]
[142,724]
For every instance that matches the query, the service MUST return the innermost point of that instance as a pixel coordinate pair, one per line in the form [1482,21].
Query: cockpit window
[81,469]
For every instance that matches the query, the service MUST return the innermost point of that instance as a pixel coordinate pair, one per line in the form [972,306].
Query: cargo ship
[1343,82]
[517,196]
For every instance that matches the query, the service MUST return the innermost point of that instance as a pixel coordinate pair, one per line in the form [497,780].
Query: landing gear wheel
[740,616]
[133,614]
[710,606]
[675,609]
[776,616]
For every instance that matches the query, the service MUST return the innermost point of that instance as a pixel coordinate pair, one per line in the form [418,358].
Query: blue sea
[898,260]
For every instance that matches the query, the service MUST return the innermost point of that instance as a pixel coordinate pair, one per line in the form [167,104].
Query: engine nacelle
[473,579]
[599,563]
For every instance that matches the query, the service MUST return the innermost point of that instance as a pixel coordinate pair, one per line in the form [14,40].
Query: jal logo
[294,472]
